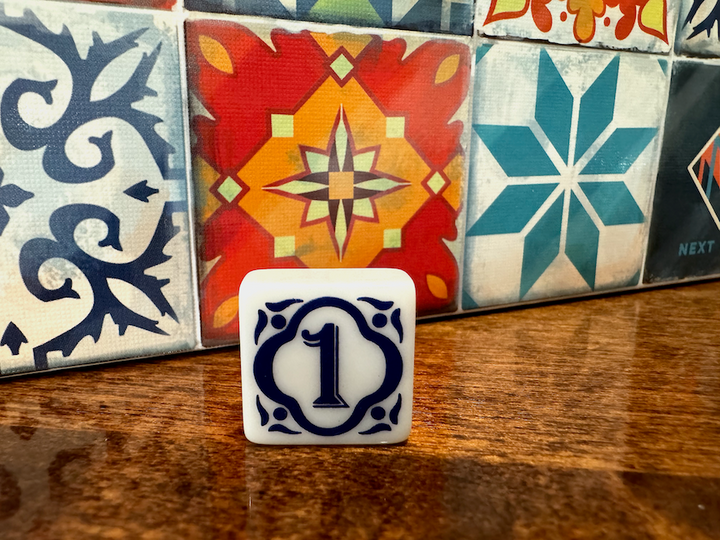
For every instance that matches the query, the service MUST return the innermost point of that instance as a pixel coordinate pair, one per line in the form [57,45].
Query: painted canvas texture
[325,151]
[450,16]
[645,25]
[564,156]
[698,31]
[94,246]
[685,234]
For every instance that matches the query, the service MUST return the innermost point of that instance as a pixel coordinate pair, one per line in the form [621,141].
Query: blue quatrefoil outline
[265,358]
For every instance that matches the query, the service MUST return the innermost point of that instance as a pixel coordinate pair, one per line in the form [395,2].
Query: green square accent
[395,127]
[284,246]
[342,66]
[229,189]
[436,183]
[282,125]
[392,238]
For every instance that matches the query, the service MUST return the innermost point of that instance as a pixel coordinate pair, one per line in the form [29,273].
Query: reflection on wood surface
[592,419]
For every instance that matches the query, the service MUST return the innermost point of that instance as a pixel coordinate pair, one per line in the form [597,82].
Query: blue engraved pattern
[287,331]
[64,220]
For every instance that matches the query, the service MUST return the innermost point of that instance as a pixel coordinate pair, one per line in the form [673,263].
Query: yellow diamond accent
[436,183]
[284,246]
[392,238]
[342,66]
[282,125]
[229,189]
[395,127]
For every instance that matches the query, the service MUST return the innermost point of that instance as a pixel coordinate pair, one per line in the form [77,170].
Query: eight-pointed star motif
[589,155]
[339,184]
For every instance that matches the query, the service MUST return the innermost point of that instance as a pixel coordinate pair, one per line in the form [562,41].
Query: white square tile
[564,155]
[327,355]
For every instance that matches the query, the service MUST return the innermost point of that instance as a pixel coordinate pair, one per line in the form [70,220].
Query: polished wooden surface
[591,419]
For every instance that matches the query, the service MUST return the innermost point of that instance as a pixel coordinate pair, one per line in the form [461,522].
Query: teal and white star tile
[564,156]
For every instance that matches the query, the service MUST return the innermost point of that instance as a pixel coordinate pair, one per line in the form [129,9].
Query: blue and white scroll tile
[327,356]
[94,244]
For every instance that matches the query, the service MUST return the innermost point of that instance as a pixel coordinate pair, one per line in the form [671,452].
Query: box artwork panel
[698,30]
[157,4]
[616,24]
[685,234]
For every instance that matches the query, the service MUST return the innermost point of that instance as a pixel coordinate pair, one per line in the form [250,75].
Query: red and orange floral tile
[643,25]
[326,151]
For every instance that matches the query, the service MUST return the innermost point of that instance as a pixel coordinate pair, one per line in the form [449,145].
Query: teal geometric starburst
[577,175]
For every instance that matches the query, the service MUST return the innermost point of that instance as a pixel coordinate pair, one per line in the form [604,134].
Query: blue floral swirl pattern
[81,108]
[62,224]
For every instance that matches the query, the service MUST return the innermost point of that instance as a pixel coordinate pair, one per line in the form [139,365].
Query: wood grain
[590,419]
